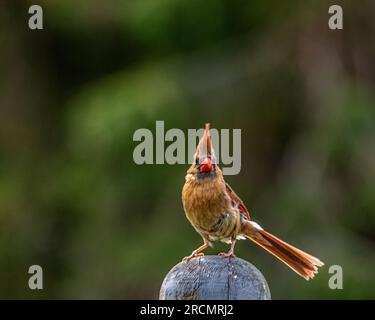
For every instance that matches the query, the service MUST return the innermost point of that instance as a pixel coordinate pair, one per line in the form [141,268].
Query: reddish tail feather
[301,262]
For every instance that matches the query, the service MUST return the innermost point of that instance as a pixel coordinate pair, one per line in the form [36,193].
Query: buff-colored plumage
[218,214]
[211,213]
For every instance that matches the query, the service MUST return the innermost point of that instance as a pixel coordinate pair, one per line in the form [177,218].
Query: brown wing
[237,201]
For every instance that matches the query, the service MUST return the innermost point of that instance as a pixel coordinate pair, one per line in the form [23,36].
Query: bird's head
[204,158]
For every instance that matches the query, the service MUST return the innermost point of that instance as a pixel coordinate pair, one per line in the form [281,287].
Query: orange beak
[206,166]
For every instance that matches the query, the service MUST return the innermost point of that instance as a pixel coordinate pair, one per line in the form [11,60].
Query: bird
[217,213]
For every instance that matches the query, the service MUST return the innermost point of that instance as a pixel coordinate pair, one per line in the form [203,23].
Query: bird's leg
[196,252]
[230,253]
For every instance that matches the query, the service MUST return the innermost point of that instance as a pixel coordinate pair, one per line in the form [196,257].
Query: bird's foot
[193,255]
[228,254]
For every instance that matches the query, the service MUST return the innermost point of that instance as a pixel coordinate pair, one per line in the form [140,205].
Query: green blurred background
[71,96]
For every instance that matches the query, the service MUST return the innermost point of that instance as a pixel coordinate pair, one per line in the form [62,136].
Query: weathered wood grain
[214,277]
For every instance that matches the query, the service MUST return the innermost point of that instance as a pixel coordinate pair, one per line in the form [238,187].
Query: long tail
[301,262]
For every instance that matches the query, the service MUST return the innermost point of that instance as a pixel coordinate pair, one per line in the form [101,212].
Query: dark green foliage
[71,96]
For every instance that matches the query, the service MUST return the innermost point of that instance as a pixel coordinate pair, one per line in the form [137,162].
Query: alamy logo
[36,20]
[36,280]
[335,22]
[336,280]
[175,151]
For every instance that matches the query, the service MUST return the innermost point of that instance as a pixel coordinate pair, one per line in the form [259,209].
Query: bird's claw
[229,254]
[193,255]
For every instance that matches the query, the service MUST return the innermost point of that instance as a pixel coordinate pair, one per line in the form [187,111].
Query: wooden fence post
[214,278]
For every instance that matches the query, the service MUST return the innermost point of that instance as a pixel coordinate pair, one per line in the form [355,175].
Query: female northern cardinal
[217,213]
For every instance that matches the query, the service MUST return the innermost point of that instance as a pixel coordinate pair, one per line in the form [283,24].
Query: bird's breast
[208,207]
